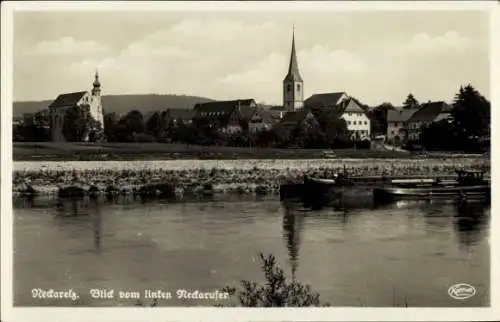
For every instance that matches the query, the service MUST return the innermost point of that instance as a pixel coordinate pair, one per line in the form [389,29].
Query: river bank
[243,176]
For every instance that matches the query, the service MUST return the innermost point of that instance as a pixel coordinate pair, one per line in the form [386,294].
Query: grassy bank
[25,151]
[235,175]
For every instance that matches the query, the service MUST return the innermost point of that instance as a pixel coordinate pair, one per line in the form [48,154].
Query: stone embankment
[212,176]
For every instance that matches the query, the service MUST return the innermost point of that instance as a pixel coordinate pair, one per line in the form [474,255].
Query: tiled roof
[428,112]
[295,117]
[181,114]
[400,114]
[247,112]
[265,114]
[68,99]
[324,100]
[349,108]
[222,106]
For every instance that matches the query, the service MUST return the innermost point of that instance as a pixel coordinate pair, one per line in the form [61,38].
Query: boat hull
[462,192]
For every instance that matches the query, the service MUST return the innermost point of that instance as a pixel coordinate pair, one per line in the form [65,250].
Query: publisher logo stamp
[461,291]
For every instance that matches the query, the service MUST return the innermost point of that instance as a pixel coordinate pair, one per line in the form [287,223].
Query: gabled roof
[429,111]
[181,114]
[68,99]
[324,100]
[265,114]
[222,106]
[247,112]
[400,114]
[348,107]
[295,117]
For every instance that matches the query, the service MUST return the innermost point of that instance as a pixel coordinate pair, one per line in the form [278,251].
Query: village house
[350,109]
[227,116]
[294,119]
[397,124]
[261,120]
[177,116]
[426,114]
[64,102]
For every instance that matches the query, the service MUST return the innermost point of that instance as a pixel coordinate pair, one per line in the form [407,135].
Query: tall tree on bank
[154,124]
[471,114]
[410,102]
[133,122]
[378,118]
[78,123]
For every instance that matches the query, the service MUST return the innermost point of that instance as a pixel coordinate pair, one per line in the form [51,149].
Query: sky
[375,56]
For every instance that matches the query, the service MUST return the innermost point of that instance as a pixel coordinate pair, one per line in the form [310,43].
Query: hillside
[123,103]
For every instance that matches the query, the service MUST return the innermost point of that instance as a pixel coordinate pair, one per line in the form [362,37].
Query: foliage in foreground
[276,290]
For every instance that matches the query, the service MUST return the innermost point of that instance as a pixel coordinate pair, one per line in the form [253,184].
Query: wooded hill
[123,103]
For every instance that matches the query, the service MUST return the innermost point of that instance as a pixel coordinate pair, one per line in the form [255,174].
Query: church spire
[96,90]
[97,83]
[293,68]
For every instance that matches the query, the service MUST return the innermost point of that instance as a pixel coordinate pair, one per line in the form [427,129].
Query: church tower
[293,85]
[96,106]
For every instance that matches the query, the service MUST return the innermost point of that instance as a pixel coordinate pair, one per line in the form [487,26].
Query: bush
[276,291]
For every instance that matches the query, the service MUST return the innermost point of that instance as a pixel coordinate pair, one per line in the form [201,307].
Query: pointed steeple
[97,83]
[293,69]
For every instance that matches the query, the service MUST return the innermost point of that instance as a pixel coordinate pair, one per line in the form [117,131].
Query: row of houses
[406,124]
[229,116]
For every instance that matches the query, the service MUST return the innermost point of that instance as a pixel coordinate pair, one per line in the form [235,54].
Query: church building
[63,102]
[293,85]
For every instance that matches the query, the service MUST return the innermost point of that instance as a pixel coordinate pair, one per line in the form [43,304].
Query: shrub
[276,291]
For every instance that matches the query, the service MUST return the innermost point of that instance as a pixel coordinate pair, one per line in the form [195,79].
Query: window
[392,132]
[355,123]
[288,87]
[348,122]
[298,87]
[366,122]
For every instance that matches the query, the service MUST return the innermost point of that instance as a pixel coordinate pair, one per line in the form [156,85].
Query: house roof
[295,117]
[67,99]
[324,100]
[181,114]
[222,106]
[429,111]
[247,112]
[346,107]
[400,114]
[265,114]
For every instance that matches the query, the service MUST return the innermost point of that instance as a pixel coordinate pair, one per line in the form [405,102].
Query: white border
[234,314]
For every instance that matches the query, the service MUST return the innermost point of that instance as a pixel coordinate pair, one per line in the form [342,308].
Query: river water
[404,254]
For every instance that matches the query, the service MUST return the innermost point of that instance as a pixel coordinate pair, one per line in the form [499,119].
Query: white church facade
[63,102]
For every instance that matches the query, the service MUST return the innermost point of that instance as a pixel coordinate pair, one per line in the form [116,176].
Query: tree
[78,123]
[470,114]
[133,122]
[378,117]
[332,127]
[410,102]
[154,124]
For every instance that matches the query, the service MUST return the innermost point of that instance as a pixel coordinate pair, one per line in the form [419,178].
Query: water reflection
[209,243]
[292,227]
[470,221]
